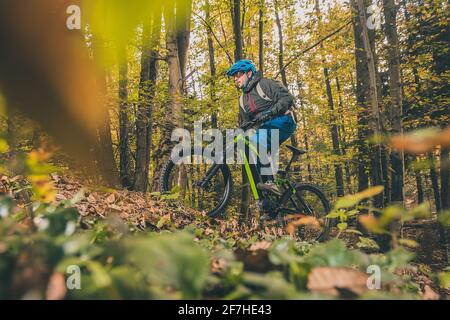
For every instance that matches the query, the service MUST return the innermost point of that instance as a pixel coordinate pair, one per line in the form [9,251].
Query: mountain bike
[207,186]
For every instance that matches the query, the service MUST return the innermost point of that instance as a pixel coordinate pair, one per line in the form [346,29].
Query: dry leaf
[60,197]
[417,143]
[326,280]
[110,199]
[370,223]
[429,294]
[218,265]
[91,198]
[304,220]
[115,207]
[264,245]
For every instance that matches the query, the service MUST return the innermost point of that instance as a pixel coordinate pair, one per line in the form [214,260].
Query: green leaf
[444,218]
[444,280]
[408,243]
[170,259]
[367,243]
[170,196]
[352,212]
[3,146]
[333,253]
[283,252]
[352,200]
[333,215]
[342,226]
[353,231]
[397,258]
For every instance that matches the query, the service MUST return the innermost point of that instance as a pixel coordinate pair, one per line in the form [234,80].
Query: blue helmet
[242,65]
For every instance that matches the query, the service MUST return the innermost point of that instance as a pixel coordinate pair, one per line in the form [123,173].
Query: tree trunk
[183,31]
[361,93]
[419,185]
[334,136]
[280,45]
[106,161]
[238,54]
[149,72]
[342,138]
[334,129]
[434,182]
[444,173]
[173,113]
[281,58]
[236,17]
[367,97]
[395,108]
[124,126]
[305,136]
[212,69]
[260,37]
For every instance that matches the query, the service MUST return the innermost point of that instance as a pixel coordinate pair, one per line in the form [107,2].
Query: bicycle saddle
[295,151]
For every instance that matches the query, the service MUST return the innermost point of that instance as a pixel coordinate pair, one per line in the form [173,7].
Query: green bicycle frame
[248,170]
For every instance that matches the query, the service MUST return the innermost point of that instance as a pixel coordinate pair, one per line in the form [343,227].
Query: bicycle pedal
[271,188]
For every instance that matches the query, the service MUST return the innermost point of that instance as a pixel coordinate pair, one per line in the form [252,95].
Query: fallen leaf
[264,245]
[163,221]
[91,198]
[115,207]
[110,199]
[331,281]
[429,294]
[370,223]
[304,220]
[60,197]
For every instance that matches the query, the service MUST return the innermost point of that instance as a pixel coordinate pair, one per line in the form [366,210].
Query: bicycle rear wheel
[181,180]
[306,211]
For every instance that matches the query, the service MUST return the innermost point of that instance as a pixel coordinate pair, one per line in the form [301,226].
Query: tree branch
[214,35]
[296,56]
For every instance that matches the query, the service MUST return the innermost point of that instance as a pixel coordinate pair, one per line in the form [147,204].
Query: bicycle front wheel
[306,213]
[182,181]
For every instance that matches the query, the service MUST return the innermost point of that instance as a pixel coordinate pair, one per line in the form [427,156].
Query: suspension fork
[208,176]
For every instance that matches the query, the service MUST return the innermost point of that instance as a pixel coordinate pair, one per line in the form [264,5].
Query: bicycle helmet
[242,65]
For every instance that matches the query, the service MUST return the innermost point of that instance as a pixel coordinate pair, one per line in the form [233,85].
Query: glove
[265,116]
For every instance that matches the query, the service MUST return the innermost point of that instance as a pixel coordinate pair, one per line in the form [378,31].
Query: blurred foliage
[116,261]
[118,264]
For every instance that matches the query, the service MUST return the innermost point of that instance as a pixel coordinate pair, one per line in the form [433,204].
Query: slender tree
[147,83]
[212,66]
[333,128]
[261,36]
[124,123]
[106,161]
[395,106]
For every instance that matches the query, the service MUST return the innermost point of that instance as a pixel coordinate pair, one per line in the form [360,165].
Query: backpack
[262,95]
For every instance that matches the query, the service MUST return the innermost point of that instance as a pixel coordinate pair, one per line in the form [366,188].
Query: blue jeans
[262,138]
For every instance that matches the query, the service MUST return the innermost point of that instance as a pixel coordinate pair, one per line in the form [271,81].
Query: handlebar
[247,125]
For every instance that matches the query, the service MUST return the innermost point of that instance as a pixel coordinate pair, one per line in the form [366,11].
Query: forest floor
[147,212]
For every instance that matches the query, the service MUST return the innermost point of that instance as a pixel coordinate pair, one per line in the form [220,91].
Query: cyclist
[268,102]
